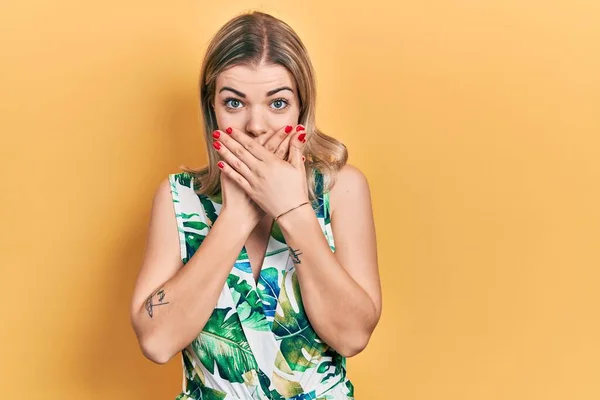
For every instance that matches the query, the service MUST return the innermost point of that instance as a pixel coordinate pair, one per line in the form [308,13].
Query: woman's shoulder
[349,179]
[350,184]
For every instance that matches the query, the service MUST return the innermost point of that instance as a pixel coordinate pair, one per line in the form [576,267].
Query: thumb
[296,146]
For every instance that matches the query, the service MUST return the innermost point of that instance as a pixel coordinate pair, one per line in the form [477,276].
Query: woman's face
[258,101]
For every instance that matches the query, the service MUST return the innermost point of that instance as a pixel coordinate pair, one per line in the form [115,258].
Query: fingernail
[303,158]
[301,137]
[288,129]
[216,134]
[221,164]
[299,128]
[229,130]
[217,145]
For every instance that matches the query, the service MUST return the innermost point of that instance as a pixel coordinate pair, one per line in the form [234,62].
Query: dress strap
[192,224]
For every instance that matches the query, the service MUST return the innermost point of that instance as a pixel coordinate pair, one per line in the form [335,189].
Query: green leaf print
[265,384]
[324,366]
[252,319]
[276,233]
[337,361]
[193,241]
[194,386]
[209,208]
[185,216]
[297,336]
[211,394]
[203,393]
[198,225]
[350,387]
[222,341]
[268,290]
[183,178]
[248,304]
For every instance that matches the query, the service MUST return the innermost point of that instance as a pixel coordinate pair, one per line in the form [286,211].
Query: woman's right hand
[234,198]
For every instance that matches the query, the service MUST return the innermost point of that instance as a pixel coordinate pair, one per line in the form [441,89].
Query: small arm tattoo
[150,302]
[295,255]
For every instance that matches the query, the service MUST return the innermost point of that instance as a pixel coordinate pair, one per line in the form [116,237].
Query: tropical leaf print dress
[258,342]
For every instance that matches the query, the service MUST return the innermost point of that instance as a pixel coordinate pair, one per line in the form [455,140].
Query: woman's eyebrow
[269,93]
[272,92]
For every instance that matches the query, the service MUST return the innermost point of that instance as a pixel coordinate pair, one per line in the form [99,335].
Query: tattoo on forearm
[295,255]
[150,304]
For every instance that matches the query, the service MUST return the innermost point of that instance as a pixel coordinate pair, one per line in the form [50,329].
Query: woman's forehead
[262,78]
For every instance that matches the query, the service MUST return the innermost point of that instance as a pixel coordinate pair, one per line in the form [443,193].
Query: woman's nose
[256,124]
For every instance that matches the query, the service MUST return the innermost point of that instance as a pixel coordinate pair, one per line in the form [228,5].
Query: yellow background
[476,123]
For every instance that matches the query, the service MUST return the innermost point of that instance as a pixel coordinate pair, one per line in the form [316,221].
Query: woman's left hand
[274,184]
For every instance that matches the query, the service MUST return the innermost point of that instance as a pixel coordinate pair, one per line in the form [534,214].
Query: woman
[268,306]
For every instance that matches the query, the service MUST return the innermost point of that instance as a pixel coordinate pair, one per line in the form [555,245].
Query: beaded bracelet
[291,209]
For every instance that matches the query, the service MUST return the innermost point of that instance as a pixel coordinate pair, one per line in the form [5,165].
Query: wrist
[291,209]
[245,222]
[295,217]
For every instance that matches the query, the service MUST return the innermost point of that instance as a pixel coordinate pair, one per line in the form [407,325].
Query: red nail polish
[217,145]
[229,130]
[221,164]
[288,129]
[216,134]
[299,128]
[301,137]
[303,159]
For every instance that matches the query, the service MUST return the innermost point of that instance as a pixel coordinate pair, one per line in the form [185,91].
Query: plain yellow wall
[476,123]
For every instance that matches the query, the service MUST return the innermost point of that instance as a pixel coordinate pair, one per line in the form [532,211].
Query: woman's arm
[171,304]
[341,291]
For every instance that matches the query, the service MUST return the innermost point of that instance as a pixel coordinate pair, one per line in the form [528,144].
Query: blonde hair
[251,39]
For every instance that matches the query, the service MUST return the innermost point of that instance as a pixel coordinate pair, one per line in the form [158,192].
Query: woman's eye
[280,104]
[232,103]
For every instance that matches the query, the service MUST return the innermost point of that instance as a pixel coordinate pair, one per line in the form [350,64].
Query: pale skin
[263,176]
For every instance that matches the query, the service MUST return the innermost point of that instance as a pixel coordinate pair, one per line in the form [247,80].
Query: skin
[341,291]
[247,100]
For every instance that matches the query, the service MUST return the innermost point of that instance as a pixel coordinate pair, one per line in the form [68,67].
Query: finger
[283,149]
[235,176]
[242,146]
[232,160]
[273,143]
[297,143]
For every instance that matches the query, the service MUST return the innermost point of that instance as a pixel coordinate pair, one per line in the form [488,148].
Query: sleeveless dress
[258,343]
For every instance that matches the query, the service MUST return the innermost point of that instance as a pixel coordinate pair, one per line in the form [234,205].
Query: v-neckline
[245,289]
[256,301]
[264,256]
[241,277]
